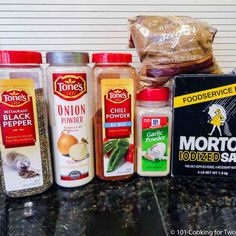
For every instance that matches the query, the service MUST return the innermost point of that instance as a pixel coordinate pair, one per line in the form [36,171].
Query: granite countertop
[140,206]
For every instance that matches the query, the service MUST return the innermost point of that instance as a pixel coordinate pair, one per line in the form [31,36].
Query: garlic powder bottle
[70,110]
[153,136]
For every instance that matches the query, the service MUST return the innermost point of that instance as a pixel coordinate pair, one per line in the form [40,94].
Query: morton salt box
[204,130]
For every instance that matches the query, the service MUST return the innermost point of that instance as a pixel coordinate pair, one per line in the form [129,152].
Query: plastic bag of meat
[172,45]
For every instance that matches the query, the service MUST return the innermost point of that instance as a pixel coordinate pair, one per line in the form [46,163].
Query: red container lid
[20,57]
[154,94]
[111,57]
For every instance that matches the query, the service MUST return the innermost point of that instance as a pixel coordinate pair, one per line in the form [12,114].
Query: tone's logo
[14,98]
[70,87]
[117,95]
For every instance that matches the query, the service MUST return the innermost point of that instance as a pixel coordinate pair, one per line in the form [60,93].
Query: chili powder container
[114,93]
[25,163]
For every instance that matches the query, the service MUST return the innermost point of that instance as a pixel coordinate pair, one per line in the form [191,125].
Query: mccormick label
[118,120]
[19,139]
[72,147]
[154,143]
[204,141]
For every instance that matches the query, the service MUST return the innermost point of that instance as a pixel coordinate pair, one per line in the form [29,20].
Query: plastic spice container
[114,90]
[25,164]
[71,119]
[153,137]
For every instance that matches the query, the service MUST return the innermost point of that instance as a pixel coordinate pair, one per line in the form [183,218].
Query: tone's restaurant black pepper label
[204,132]
[19,135]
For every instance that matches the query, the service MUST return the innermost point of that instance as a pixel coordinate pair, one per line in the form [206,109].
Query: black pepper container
[25,163]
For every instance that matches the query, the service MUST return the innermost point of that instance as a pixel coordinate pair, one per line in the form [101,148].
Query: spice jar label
[71,134]
[118,119]
[154,143]
[19,139]
[206,144]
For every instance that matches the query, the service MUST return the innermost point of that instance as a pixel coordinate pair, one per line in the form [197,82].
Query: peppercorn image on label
[118,126]
[204,132]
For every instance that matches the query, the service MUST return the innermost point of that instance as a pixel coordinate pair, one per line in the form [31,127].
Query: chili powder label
[19,135]
[117,121]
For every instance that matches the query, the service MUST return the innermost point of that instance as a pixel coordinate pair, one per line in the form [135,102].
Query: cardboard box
[204,129]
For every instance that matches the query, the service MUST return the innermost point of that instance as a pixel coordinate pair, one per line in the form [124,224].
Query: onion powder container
[70,109]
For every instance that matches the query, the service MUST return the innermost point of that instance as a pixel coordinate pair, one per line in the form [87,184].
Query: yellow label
[19,134]
[205,96]
[117,96]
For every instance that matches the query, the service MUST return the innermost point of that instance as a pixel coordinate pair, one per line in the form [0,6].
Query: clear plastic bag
[168,46]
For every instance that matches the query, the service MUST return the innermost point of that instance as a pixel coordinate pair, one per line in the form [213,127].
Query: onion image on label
[79,151]
[157,151]
[65,142]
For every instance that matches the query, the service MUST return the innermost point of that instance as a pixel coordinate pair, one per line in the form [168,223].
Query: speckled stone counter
[140,206]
